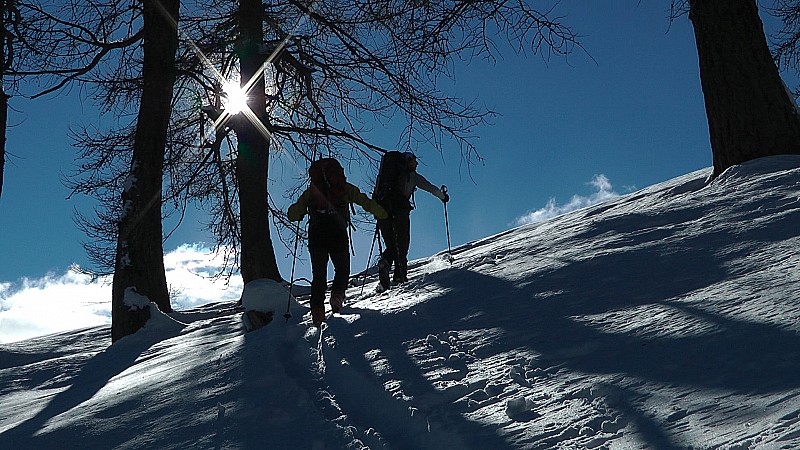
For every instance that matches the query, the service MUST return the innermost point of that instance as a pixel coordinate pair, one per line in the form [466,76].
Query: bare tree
[8,20]
[334,69]
[57,45]
[750,111]
[785,43]
[318,76]
[252,161]
[139,263]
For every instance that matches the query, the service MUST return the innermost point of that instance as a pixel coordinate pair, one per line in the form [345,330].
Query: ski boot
[400,273]
[317,315]
[383,273]
[337,300]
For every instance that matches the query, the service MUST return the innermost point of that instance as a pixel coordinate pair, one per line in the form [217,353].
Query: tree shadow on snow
[543,316]
[91,377]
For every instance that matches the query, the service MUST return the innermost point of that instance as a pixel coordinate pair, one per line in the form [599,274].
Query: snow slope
[667,318]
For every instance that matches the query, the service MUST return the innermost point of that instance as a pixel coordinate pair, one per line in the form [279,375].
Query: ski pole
[288,315]
[369,258]
[447,224]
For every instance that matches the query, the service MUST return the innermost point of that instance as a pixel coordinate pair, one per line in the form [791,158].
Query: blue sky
[569,131]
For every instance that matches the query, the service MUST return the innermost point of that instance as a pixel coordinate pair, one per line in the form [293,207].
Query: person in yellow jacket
[327,201]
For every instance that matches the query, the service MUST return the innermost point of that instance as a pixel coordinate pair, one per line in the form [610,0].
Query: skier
[397,180]
[327,201]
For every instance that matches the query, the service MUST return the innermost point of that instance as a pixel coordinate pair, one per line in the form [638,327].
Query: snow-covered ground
[666,318]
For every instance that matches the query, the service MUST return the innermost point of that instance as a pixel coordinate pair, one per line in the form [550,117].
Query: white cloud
[51,304]
[604,191]
[55,303]
[193,277]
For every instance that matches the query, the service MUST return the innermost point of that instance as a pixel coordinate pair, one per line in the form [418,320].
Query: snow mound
[265,295]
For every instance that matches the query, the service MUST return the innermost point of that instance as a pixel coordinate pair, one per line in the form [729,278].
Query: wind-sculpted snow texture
[667,318]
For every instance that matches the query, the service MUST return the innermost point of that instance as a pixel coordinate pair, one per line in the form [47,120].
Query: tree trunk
[140,254]
[257,253]
[750,112]
[5,39]
[3,124]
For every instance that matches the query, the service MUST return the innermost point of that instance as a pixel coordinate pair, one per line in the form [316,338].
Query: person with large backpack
[396,182]
[327,201]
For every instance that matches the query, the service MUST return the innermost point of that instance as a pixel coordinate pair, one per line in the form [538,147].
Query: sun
[236,98]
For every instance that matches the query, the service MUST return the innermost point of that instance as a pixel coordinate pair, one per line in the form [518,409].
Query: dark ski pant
[396,232]
[328,243]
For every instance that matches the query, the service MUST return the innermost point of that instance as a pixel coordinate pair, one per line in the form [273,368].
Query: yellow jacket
[352,195]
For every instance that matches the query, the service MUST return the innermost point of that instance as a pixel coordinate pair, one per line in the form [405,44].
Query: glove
[445,197]
[296,213]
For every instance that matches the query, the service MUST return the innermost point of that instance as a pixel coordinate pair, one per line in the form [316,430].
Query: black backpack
[328,185]
[392,176]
